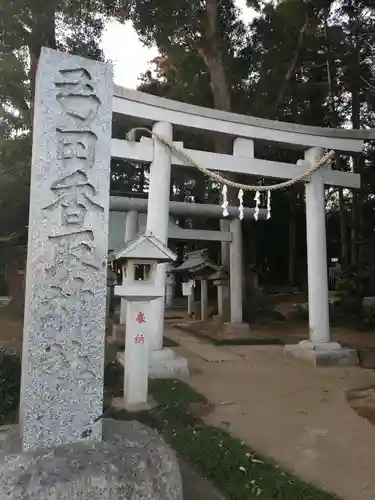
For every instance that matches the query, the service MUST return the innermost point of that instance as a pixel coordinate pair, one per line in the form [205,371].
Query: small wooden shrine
[197,267]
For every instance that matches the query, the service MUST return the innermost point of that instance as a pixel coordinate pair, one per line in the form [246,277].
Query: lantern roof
[145,246]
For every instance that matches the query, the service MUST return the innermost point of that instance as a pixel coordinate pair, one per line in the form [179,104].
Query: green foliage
[113,380]
[302,61]
[10,382]
[368,318]
[26,26]
[345,286]
[14,183]
[308,62]
[259,305]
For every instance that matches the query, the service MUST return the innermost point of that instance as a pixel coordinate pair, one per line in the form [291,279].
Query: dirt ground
[290,411]
[362,400]
[290,331]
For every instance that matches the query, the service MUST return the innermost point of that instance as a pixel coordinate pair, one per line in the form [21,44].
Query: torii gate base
[323,354]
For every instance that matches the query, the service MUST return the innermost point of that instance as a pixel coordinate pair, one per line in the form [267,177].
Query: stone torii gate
[166,116]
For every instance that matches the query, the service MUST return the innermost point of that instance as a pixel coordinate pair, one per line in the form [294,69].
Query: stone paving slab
[211,353]
[180,336]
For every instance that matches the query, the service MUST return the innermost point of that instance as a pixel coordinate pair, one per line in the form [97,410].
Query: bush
[113,379]
[10,383]
[301,312]
[257,304]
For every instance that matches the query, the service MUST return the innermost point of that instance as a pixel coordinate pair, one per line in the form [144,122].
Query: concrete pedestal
[323,353]
[236,330]
[136,354]
[167,364]
[123,404]
[163,364]
[131,461]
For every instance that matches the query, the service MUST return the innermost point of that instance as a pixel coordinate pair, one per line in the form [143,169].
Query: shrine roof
[197,261]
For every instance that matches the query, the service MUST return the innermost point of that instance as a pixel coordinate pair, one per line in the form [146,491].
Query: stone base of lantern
[235,331]
[132,461]
[163,364]
[122,404]
[323,353]
[167,364]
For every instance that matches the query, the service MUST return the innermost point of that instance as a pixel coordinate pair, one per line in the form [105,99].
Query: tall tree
[25,27]
[291,63]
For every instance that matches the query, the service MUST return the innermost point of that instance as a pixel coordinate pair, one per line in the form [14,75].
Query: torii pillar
[319,349]
[163,363]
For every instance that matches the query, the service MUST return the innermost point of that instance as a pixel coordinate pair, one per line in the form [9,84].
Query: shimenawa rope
[226,182]
[327,158]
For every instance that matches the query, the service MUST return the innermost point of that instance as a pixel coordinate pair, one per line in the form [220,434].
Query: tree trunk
[212,55]
[211,52]
[43,35]
[343,231]
[358,159]
[293,65]
[334,121]
[354,68]
[218,79]
[292,238]
[343,221]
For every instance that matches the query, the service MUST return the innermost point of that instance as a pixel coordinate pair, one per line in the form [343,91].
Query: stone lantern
[221,280]
[139,260]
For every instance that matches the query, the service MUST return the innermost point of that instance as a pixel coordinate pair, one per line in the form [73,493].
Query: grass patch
[169,342]
[236,470]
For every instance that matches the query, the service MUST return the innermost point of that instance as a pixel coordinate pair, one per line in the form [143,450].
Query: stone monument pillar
[65,299]
[66,449]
